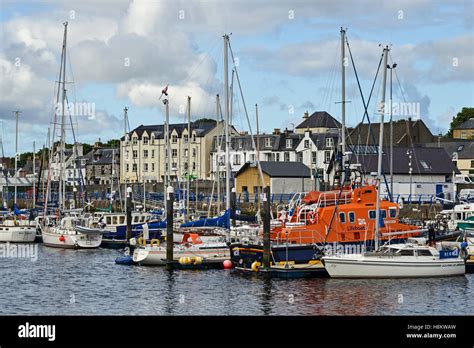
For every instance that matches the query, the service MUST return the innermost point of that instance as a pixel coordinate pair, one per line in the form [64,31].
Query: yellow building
[464,130]
[282,177]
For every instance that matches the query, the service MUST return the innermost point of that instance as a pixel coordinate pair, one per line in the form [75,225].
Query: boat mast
[62,189]
[226,122]
[379,163]
[34,175]
[188,159]
[218,164]
[167,149]
[343,91]
[17,113]
[125,122]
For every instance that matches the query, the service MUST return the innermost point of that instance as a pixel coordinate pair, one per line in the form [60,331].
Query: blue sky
[288,54]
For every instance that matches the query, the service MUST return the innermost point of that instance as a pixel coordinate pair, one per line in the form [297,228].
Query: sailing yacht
[396,261]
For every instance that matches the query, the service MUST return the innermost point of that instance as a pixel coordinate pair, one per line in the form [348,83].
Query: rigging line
[367,105]
[398,81]
[81,186]
[247,115]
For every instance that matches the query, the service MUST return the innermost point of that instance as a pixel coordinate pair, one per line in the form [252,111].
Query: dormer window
[145,140]
[289,143]
[185,138]
[241,143]
[134,140]
[329,142]
[268,142]
[174,139]
[306,144]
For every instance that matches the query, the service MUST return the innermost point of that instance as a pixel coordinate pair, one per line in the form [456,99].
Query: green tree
[462,116]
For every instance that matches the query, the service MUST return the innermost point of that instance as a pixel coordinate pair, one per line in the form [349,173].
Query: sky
[287,55]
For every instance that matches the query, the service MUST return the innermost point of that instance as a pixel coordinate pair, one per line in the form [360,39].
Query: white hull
[17,234]
[157,255]
[360,266]
[72,239]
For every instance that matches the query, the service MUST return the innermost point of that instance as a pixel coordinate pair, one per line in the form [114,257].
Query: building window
[153,167]
[194,152]
[306,144]
[145,140]
[134,140]
[127,168]
[329,142]
[241,143]
[463,134]
[268,142]
[186,153]
[134,167]
[289,143]
[145,153]
[300,156]
[314,157]
[174,152]
[135,154]
[194,165]
[174,139]
[327,156]
[287,157]
[145,167]
[185,138]
[152,153]
[277,157]
[185,165]
[472,164]
[174,166]
[236,160]
[152,139]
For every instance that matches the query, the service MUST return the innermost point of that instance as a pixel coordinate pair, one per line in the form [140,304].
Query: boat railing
[333,198]
[302,238]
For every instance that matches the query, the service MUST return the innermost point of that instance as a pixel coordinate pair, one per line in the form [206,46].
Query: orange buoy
[227,264]
[62,239]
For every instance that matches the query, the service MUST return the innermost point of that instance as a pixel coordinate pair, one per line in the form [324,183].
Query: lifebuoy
[155,242]
[312,217]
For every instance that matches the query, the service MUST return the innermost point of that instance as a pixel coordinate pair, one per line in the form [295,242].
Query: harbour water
[88,282]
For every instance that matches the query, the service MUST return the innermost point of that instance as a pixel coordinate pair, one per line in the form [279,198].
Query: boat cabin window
[142,218]
[406,252]
[122,219]
[114,220]
[392,212]
[383,213]
[423,252]
[342,217]
[109,220]
[135,219]
[372,214]
[458,216]
[352,217]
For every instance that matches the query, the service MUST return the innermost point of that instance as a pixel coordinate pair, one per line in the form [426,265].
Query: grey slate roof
[469,124]
[425,160]
[364,133]
[103,156]
[280,169]
[244,142]
[320,119]
[465,149]
[201,128]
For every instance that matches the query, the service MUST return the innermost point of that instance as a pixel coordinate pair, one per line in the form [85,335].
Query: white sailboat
[191,248]
[14,228]
[65,234]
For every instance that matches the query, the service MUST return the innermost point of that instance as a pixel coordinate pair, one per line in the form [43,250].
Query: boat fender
[155,242]
[141,241]
[463,253]
[133,241]
[198,260]
[255,266]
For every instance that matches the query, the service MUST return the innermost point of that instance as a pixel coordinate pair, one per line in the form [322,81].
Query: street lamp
[394,65]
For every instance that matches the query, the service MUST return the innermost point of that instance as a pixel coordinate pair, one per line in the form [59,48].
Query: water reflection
[100,286]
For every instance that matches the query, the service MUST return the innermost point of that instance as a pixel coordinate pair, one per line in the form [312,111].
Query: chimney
[286,131]
[306,115]
[276,131]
